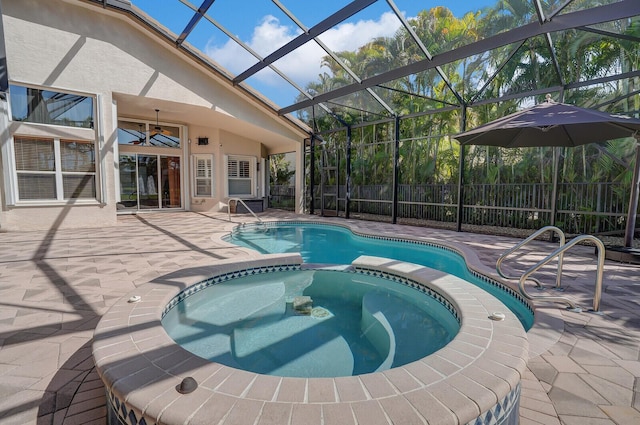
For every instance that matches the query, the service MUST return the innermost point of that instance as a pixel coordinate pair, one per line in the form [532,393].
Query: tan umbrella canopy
[560,124]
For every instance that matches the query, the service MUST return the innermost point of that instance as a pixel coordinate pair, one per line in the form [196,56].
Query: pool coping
[141,366]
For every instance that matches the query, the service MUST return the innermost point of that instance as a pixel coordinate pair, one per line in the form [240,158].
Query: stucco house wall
[73,46]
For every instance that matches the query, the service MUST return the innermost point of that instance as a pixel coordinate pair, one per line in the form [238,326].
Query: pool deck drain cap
[496,315]
[188,385]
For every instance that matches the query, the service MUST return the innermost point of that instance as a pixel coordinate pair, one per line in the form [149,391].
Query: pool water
[355,324]
[329,244]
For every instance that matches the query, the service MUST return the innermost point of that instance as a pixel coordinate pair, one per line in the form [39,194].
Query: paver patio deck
[54,287]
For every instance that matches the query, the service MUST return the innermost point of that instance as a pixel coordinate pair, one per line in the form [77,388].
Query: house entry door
[149,182]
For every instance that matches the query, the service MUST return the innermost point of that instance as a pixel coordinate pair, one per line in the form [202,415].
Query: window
[240,175]
[144,133]
[55,169]
[203,175]
[49,107]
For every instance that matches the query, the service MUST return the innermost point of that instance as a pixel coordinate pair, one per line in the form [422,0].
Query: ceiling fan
[140,136]
[158,129]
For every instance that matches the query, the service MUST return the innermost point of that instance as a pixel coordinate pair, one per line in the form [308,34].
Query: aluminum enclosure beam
[206,4]
[328,23]
[611,12]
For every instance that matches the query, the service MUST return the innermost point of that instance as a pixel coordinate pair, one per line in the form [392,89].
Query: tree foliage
[428,152]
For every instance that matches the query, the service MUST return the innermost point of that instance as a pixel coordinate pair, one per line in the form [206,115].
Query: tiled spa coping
[472,379]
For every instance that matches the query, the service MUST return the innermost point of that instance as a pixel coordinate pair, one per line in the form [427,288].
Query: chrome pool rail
[245,205]
[559,252]
[537,233]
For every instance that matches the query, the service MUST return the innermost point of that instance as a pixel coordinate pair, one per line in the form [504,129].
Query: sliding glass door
[170,178]
[128,183]
[149,182]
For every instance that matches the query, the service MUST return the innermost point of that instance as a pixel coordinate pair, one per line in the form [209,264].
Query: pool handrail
[245,205]
[559,251]
[537,233]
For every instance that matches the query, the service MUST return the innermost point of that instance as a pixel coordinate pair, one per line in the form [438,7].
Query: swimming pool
[312,323]
[321,243]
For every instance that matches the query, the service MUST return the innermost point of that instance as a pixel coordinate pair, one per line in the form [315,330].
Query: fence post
[347,208]
[633,200]
[463,126]
[312,172]
[598,207]
[396,172]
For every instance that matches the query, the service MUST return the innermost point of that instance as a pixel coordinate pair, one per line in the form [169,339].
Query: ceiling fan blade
[159,130]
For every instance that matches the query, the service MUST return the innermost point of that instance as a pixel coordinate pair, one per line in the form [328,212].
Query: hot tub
[151,379]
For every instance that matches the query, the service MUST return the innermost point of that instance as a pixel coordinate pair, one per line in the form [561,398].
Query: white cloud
[350,36]
[303,64]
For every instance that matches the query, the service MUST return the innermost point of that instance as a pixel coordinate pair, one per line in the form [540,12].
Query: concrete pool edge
[141,366]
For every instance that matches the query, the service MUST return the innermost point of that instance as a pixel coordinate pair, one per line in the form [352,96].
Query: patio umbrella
[560,124]
[551,124]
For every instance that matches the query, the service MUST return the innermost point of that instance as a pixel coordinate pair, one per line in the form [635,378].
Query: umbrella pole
[554,189]
[633,201]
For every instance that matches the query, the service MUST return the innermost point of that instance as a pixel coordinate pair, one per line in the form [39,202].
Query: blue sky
[261,25]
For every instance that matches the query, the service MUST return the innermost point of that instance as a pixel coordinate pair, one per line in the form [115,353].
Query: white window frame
[252,175]
[50,131]
[195,158]
[57,172]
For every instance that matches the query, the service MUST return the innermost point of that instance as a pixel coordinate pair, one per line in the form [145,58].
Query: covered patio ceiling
[355,59]
[138,107]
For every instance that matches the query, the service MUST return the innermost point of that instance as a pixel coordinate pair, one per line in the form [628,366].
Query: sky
[262,26]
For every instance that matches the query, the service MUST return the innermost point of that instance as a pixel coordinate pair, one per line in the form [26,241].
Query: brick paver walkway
[54,287]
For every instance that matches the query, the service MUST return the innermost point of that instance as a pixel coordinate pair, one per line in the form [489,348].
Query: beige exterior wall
[68,45]
[203,204]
